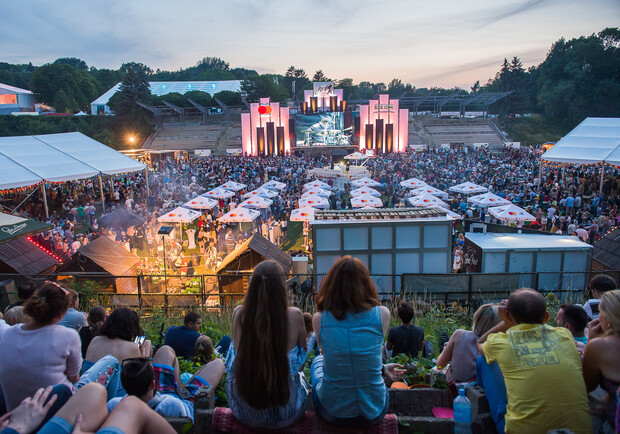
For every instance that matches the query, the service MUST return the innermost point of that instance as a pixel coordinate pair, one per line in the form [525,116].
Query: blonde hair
[16,315]
[610,307]
[485,318]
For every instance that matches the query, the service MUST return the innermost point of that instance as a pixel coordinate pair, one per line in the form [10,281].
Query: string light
[44,249]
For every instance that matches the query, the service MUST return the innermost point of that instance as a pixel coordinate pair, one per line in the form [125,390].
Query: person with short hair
[182,338]
[74,319]
[540,366]
[16,315]
[574,318]
[25,290]
[406,338]
[598,285]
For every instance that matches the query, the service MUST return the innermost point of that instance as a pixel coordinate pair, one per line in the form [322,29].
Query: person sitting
[203,349]
[574,318]
[598,285]
[182,338]
[15,315]
[25,290]
[74,319]
[311,343]
[157,384]
[407,338]
[540,366]
[96,318]
[461,350]
[600,359]
[347,384]
[264,385]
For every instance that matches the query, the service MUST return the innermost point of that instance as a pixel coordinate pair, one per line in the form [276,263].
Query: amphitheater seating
[192,136]
[465,131]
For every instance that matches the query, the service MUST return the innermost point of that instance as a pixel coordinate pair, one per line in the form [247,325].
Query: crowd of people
[62,370]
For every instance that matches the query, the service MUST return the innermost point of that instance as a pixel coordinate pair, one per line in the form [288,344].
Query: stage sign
[369,152]
[202,152]
[322,129]
[472,257]
[323,89]
[235,151]
[383,108]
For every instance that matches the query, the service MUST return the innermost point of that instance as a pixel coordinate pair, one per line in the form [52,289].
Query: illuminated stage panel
[322,129]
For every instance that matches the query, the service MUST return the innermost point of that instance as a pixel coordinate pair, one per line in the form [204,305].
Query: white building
[159,88]
[13,100]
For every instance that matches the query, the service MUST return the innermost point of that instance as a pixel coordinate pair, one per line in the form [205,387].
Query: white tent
[180,215]
[468,188]
[355,156]
[302,214]
[256,202]
[232,185]
[316,192]
[365,190]
[260,191]
[488,199]
[239,214]
[451,213]
[200,202]
[317,184]
[427,200]
[595,140]
[366,200]
[427,189]
[412,183]
[511,213]
[314,201]
[365,182]
[218,193]
[274,185]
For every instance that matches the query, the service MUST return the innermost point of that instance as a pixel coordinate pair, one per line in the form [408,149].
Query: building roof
[6,89]
[13,227]
[595,140]
[607,250]
[263,247]
[160,88]
[380,214]
[27,160]
[109,255]
[502,242]
[25,257]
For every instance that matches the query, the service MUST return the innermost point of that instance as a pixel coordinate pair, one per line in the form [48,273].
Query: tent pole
[600,190]
[146,178]
[540,176]
[563,175]
[102,195]
[47,212]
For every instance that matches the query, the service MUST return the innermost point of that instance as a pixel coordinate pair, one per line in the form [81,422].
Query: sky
[450,43]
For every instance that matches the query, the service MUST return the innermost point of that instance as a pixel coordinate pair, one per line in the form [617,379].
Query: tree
[79,87]
[476,87]
[319,76]
[72,61]
[202,98]
[213,63]
[134,88]
[263,86]
[229,98]
[396,88]
[138,68]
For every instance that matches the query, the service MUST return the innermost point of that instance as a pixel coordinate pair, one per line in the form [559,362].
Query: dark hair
[96,317]
[137,375]
[527,306]
[264,335]
[25,290]
[203,350]
[347,287]
[602,283]
[308,322]
[191,317]
[49,302]
[123,323]
[405,312]
[575,315]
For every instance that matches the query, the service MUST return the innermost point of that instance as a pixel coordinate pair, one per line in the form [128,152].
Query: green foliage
[72,61]
[65,87]
[134,88]
[263,86]
[229,98]
[90,292]
[534,130]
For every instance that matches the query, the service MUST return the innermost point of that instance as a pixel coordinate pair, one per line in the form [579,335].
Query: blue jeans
[58,425]
[107,372]
[222,346]
[491,379]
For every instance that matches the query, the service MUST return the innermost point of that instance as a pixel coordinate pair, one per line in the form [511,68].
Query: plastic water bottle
[462,414]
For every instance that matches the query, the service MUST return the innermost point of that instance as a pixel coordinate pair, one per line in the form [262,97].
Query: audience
[203,349]
[574,318]
[95,320]
[264,386]
[74,319]
[601,356]
[598,285]
[461,351]
[16,315]
[25,290]
[406,338]
[182,338]
[540,366]
[347,384]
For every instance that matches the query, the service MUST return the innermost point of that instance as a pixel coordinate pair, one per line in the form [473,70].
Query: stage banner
[322,129]
[323,89]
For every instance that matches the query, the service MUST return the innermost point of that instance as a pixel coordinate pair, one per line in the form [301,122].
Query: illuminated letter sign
[323,89]
[384,108]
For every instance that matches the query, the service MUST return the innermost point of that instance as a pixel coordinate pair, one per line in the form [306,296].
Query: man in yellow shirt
[541,368]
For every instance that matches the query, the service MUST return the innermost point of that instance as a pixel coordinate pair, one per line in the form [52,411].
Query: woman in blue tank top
[348,386]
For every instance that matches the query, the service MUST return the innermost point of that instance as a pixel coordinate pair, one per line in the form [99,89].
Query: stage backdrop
[321,129]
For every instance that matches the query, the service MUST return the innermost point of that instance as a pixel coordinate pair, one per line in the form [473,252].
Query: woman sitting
[348,388]
[264,386]
[96,318]
[600,359]
[461,350]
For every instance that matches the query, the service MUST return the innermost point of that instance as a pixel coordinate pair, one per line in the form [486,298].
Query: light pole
[164,231]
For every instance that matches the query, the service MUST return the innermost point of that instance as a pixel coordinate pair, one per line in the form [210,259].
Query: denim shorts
[57,425]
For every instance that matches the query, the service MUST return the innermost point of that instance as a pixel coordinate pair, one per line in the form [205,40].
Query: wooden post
[102,195]
[600,190]
[146,178]
[47,212]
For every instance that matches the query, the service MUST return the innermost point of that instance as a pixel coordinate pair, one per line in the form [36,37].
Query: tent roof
[5,88]
[501,242]
[595,140]
[25,257]
[607,250]
[27,160]
[263,247]
[13,227]
[109,255]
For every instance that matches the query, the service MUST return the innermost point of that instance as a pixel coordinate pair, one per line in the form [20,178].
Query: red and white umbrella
[273,184]
[316,192]
[218,193]
[511,213]
[412,183]
[200,202]
[355,156]
[180,215]
[366,200]
[488,199]
[232,185]
[302,214]
[427,189]
[314,202]
[468,188]
[261,191]
[365,190]
[317,184]
[427,200]
[239,214]
[256,202]
[365,182]
[451,214]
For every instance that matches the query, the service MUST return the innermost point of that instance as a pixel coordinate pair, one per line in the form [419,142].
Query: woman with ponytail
[264,385]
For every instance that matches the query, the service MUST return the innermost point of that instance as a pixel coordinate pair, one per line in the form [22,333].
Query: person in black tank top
[407,338]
